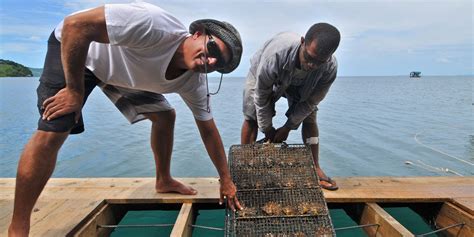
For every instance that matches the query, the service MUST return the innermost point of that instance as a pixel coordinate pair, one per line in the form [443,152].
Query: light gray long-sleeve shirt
[272,70]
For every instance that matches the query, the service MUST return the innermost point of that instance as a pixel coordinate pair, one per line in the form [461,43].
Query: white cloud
[442,60]
[20,48]
[35,38]
[25,31]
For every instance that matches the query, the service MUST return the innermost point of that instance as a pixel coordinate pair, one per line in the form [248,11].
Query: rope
[445,228]
[432,168]
[207,80]
[207,227]
[156,225]
[134,226]
[356,227]
[439,151]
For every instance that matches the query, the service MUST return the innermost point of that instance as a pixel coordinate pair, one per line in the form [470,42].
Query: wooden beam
[450,214]
[465,203]
[90,227]
[104,214]
[182,226]
[389,227]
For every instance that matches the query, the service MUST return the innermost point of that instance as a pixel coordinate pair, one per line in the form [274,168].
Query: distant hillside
[12,69]
[36,71]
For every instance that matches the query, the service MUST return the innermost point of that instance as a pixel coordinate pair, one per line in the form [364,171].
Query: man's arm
[266,75]
[213,143]
[79,30]
[301,110]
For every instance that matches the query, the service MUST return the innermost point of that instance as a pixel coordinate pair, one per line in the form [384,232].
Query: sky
[378,37]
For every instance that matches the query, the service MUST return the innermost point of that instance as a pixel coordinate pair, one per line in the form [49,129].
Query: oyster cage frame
[272,166]
[278,186]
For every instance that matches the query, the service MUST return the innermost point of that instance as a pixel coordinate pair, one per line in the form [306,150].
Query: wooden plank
[119,188]
[66,201]
[6,210]
[400,189]
[467,204]
[182,226]
[450,214]
[41,212]
[59,216]
[352,189]
[389,227]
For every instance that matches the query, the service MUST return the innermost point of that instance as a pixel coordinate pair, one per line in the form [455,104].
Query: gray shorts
[133,104]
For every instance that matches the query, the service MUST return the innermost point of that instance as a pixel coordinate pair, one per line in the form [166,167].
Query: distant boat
[415,74]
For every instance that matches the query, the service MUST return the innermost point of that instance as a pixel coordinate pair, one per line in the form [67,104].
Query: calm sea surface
[369,126]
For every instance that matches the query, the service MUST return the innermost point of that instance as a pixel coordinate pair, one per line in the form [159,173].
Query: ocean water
[369,126]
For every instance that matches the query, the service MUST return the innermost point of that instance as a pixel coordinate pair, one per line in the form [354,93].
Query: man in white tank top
[134,53]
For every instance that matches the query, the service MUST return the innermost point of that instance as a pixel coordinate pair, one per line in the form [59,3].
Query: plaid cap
[227,33]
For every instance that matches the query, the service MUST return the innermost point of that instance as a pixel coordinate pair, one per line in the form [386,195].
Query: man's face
[309,59]
[207,50]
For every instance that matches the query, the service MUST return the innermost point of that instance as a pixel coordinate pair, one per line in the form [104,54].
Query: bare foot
[173,186]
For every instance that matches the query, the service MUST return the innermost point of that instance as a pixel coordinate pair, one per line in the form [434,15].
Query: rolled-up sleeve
[266,75]
[299,111]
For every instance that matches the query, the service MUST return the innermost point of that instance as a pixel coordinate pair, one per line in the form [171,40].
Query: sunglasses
[214,52]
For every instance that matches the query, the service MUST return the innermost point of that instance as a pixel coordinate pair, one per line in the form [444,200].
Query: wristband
[312,140]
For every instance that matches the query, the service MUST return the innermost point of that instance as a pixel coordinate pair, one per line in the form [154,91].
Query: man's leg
[310,133]
[35,167]
[162,135]
[249,132]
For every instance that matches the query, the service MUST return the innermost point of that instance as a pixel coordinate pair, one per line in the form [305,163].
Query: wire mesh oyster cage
[308,226]
[259,166]
[280,203]
[280,212]
[279,190]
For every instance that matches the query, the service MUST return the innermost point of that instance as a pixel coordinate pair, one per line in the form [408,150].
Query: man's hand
[270,134]
[228,191]
[66,101]
[281,134]
[212,140]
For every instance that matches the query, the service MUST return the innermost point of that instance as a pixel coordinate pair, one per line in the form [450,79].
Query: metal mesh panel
[268,166]
[278,187]
[281,202]
[283,227]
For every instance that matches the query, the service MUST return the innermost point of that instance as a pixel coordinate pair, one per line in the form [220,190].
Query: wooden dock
[67,202]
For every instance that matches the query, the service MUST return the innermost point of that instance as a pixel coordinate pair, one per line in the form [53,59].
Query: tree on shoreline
[12,69]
